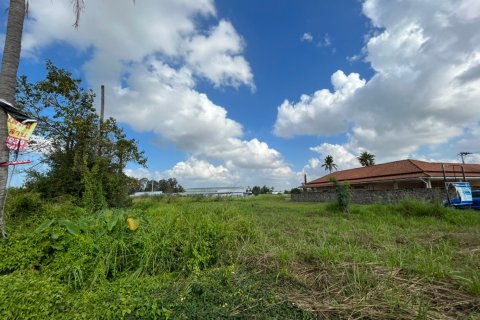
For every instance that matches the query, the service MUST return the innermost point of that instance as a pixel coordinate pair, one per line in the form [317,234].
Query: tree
[82,161]
[328,164]
[256,190]
[366,159]
[170,186]
[8,80]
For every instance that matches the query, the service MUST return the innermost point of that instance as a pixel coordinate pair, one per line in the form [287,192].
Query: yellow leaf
[133,223]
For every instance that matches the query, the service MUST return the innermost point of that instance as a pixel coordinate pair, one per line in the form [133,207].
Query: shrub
[343,194]
[21,203]
[295,190]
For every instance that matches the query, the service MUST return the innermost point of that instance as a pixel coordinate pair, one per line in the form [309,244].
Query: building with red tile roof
[403,174]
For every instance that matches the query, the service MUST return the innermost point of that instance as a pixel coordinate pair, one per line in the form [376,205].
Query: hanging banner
[18,133]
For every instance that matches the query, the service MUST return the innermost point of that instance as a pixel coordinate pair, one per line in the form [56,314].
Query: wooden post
[102,114]
[102,107]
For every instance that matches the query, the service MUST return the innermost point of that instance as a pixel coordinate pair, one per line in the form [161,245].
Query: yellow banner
[18,133]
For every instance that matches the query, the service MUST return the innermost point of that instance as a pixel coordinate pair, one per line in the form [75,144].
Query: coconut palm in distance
[366,159]
[328,163]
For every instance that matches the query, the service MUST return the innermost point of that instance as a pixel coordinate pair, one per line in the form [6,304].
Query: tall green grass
[261,257]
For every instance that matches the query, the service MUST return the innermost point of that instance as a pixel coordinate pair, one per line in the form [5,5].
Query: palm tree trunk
[8,84]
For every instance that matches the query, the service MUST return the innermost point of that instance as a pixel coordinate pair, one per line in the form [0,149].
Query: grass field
[262,257]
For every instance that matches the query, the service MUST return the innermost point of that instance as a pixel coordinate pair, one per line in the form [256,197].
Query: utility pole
[102,114]
[102,106]
[463,155]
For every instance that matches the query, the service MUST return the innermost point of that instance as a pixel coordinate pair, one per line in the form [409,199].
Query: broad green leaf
[112,222]
[72,228]
[44,226]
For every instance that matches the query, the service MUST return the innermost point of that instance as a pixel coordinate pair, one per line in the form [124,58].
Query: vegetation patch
[261,257]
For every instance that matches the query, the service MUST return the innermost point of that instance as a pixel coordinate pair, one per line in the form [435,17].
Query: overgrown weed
[260,257]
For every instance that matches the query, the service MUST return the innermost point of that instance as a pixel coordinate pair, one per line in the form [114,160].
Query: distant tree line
[256,190]
[169,185]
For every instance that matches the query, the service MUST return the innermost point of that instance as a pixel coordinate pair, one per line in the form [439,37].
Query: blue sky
[259,92]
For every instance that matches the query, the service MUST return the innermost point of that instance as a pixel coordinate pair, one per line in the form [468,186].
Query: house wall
[375,196]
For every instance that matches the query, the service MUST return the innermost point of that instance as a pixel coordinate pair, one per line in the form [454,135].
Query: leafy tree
[150,185]
[170,185]
[329,164]
[295,190]
[81,159]
[143,183]
[256,190]
[366,159]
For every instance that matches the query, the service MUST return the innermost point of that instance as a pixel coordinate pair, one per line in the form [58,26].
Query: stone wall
[375,196]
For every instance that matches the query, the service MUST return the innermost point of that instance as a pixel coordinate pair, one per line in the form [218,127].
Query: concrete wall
[375,196]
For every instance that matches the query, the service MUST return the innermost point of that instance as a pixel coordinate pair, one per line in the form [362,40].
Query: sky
[243,93]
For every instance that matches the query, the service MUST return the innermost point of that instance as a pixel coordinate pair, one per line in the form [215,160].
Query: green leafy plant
[21,203]
[343,193]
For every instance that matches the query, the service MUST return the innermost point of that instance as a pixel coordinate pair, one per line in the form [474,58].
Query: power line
[463,154]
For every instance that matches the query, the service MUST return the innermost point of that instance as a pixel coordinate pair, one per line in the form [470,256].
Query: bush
[295,190]
[20,203]
[343,194]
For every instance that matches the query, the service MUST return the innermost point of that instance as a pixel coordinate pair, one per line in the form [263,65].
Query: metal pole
[100,125]
[463,154]
[102,106]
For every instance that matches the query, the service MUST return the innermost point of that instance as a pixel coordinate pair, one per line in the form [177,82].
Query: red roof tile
[398,170]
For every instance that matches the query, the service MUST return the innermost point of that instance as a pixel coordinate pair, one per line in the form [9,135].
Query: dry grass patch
[371,291]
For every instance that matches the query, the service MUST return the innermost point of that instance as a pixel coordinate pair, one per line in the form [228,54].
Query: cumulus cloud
[217,56]
[425,88]
[151,56]
[322,113]
[140,173]
[342,156]
[200,172]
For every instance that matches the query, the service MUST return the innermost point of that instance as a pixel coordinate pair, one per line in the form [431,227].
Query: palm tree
[8,80]
[328,163]
[366,159]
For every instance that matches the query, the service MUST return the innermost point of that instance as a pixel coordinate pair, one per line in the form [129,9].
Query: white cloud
[140,173]
[342,157]
[202,173]
[321,113]
[424,91]
[218,56]
[196,172]
[150,56]
[307,37]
